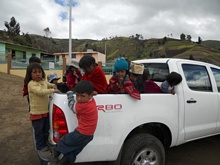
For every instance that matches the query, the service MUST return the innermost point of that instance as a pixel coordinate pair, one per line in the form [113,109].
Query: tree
[13,27]
[199,40]
[137,36]
[188,37]
[183,37]
[158,42]
[47,32]
[132,36]
[164,40]
[141,37]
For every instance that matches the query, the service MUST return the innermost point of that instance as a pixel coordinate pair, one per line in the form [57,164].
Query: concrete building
[99,57]
[19,52]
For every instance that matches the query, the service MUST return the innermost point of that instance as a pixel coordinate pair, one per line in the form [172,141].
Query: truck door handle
[191,101]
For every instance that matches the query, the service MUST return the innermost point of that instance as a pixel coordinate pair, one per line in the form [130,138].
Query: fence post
[64,65]
[9,63]
[100,64]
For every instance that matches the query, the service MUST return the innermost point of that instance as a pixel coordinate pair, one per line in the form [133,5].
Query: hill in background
[131,48]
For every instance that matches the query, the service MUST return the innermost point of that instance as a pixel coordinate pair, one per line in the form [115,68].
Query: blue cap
[120,64]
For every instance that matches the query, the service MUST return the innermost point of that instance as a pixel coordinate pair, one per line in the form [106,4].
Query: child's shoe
[63,160]
[46,154]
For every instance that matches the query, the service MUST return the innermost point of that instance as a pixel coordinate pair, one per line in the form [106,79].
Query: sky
[99,19]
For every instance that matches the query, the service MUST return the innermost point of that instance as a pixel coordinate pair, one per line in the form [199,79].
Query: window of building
[57,58]
[24,55]
[13,54]
[73,56]
[197,77]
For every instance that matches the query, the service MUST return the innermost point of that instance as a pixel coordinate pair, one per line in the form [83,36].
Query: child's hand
[57,91]
[75,74]
[120,79]
[172,91]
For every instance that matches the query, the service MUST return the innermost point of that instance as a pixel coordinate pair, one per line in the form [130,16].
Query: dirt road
[15,127]
[16,145]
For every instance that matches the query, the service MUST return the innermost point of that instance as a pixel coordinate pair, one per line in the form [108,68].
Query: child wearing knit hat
[120,83]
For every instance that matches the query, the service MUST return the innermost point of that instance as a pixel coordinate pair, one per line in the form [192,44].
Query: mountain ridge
[131,48]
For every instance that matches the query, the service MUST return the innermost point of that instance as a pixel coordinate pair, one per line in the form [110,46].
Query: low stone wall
[22,72]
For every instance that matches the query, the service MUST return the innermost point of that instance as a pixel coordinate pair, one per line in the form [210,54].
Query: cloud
[99,19]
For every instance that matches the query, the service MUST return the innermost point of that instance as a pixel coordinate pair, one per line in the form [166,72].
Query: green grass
[130,48]
[112,54]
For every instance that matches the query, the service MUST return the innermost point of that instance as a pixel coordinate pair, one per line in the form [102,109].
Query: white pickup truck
[138,131]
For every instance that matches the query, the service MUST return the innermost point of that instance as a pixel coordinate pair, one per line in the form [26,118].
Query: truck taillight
[59,123]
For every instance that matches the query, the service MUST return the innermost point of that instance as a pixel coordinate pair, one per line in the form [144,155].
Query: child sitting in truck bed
[73,74]
[135,75]
[171,81]
[93,73]
[53,78]
[120,83]
[149,85]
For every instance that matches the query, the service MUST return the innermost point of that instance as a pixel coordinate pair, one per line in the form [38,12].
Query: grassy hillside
[212,43]
[130,48]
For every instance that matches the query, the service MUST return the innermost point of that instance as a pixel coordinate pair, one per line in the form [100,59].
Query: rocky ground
[16,144]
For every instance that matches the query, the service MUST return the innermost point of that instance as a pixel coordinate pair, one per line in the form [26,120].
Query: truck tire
[143,149]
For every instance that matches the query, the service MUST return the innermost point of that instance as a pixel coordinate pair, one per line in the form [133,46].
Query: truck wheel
[143,149]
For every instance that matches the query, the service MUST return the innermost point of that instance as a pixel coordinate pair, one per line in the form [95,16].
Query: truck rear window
[158,71]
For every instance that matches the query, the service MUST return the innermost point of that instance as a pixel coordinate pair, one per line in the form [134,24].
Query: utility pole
[105,48]
[70,32]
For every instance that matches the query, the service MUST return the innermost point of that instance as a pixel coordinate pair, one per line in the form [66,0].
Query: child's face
[133,77]
[54,81]
[120,75]
[36,75]
[89,70]
[83,97]
[73,68]
[175,83]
